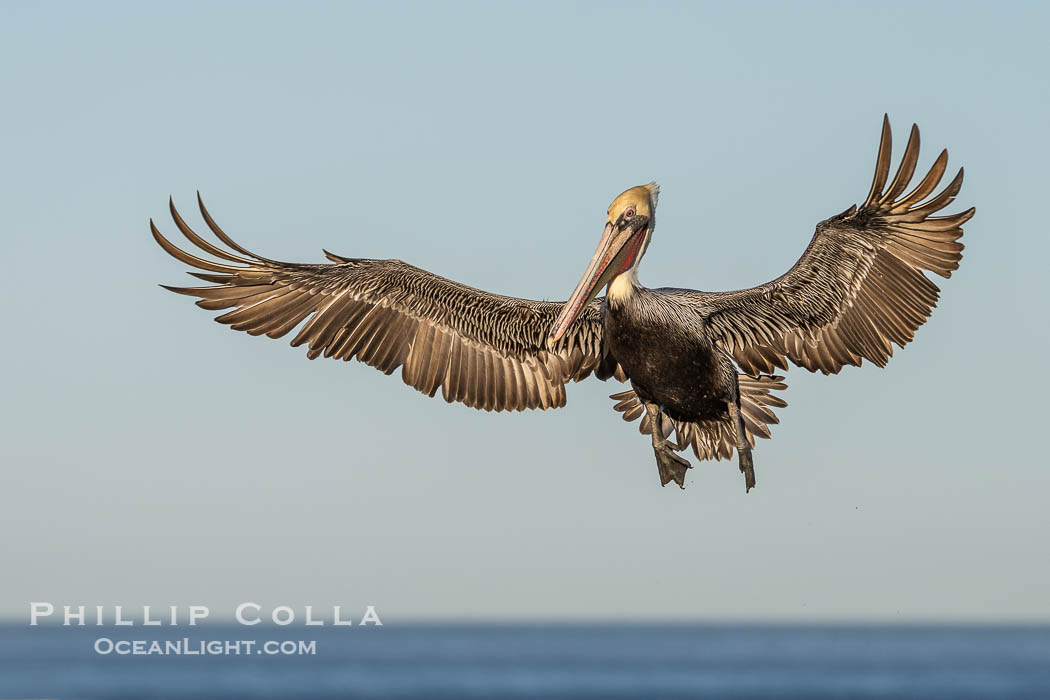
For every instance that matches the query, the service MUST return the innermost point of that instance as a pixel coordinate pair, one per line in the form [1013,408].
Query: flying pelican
[700,364]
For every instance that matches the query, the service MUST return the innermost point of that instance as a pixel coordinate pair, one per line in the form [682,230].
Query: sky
[151,456]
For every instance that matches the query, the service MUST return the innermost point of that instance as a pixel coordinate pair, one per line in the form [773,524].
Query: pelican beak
[616,252]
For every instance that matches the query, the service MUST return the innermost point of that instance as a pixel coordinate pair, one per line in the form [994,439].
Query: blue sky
[152,456]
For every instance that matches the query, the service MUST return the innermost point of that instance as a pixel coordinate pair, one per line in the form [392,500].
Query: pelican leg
[743,449]
[671,466]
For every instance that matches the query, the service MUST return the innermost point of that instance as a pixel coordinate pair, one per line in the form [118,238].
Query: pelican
[700,364]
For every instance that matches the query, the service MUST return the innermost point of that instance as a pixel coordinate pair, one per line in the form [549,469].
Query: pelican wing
[484,350]
[859,288]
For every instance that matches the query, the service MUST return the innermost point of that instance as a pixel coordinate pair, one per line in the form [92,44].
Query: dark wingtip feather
[221,235]
[177,290]
[882,163]
[181,255]
[335,258]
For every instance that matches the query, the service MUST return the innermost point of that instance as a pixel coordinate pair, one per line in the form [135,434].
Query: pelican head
[628,227]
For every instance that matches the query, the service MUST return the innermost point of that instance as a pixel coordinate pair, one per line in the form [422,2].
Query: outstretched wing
[859,288]
[484,350]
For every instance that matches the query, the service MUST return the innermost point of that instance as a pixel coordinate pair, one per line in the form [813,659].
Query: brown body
[690,378]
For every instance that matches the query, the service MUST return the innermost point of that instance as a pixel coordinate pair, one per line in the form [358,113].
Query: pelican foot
[747,467]
[671,466]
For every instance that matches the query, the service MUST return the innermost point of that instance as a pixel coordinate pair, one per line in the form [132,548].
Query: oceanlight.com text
[204,647]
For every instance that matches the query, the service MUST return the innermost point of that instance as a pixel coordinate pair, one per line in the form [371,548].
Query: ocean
[536,661]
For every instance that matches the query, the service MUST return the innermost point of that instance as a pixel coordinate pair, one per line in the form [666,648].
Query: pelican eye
[628,214]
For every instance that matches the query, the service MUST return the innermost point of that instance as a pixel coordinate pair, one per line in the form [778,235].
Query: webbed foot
[671,466]
[743,449]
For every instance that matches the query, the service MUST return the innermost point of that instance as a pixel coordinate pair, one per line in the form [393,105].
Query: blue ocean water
[536,661]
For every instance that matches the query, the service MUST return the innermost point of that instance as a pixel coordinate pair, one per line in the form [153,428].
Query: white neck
[622,287]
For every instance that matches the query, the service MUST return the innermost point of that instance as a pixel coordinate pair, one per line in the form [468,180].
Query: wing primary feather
[906,169]
[882,164]
[222,236]
[196,240]
[937,203]
[181,255]
[926,186]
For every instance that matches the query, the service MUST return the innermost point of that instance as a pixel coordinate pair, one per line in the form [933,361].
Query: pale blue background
[152,456]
